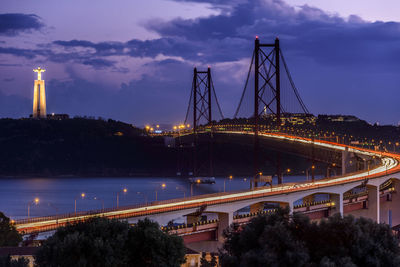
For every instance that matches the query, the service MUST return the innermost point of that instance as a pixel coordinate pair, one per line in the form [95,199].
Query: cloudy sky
[132,60]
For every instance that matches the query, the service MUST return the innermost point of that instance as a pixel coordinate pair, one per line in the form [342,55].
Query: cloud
[158,97]
[14,23]
[304,32]
[332,59]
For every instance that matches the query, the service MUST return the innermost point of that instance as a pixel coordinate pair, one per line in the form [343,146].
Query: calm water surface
[57,195]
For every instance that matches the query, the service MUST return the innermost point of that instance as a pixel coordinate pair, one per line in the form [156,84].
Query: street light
[124,191]
[35,201]
[102,203]
[82,195]
[183,190]
[230,178]
[163,186]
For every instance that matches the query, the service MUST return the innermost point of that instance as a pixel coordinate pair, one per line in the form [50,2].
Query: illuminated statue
[39,96]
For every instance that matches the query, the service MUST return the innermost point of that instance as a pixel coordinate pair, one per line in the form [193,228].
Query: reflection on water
[57,195]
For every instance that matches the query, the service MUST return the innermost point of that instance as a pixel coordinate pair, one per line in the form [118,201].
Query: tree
[9,236]
[152,247]
[101,242]
[96,242]
[205,263]
[8,262]
[282,240]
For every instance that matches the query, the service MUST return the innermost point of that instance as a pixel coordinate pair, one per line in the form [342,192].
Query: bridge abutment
[224,220]
[390,207]
[373,211]
[337,199]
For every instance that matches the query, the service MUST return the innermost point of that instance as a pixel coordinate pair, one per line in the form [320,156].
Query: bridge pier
[345,156]
[287,204]
[373,203]
[338,200]
[390,210]
[224,220]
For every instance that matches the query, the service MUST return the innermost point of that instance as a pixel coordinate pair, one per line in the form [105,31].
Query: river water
[57,195]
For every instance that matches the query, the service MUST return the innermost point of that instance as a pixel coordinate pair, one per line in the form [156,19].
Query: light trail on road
[390,164]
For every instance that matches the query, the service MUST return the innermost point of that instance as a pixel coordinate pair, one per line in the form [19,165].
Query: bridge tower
[266,76]
[202,110]
[201,99]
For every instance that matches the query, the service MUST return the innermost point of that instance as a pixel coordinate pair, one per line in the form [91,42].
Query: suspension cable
[216,99]
[245,86]
[296,92]
[190,101]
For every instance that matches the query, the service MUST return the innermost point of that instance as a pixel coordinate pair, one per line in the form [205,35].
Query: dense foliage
[8,262]
[9,236]
[280,240]
[90,147]
[208,263]
[79,146]
[102,242]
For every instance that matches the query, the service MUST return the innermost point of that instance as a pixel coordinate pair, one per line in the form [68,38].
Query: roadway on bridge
[390,164]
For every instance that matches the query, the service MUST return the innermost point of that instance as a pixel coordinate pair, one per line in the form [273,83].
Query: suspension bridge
[274,96]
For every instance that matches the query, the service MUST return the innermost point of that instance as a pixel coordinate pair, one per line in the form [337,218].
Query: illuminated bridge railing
[289,187]
[299,131]
[102,212]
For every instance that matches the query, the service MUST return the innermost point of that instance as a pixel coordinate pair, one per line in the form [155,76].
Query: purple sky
[133,60]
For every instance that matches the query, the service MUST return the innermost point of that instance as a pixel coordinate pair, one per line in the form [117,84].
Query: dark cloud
[14,23]
[98,63]
[305,31]
[26,53]
[140,101]
[8,79]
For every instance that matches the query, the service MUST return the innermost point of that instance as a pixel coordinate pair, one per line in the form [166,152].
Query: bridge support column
[390,209]
[257,207]
[345,155]
[224,220]
[338,200]
[287,204]
[373,203]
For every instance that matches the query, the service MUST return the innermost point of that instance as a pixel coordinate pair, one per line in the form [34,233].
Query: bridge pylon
[266,76]
[201,100]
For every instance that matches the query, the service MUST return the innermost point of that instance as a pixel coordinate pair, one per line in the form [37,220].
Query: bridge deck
[389,165]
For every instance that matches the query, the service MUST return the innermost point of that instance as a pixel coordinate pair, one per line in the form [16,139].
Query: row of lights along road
[125,190]
[83,195]
[175,127]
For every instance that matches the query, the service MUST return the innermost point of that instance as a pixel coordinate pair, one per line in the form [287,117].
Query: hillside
[89,147]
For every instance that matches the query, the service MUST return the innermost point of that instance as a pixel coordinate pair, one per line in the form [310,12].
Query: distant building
[39,96]
[58,117]
[19,252]
[339,118]
[292,118]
